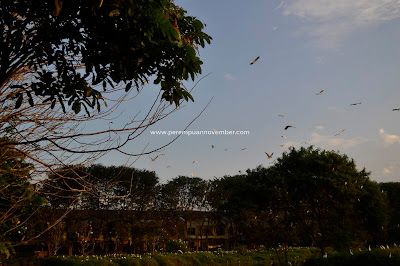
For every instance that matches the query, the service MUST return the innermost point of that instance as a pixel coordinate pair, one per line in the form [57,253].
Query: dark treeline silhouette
[309,197]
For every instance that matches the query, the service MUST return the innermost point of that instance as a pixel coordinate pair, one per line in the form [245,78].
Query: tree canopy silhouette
[70,47]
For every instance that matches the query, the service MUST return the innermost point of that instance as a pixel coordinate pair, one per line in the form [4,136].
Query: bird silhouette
[396,109]
[244,149]
[255,60]
[195,161]
[319,93]
[282,115]
[155,158]
[212,146]
[289,127]
[354,104]
[340,133]
[269,155]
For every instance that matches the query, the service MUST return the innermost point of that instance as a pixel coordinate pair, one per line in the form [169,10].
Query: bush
[176,244]
[242,250]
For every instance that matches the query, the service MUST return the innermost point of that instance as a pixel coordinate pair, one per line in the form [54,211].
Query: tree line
[309,197]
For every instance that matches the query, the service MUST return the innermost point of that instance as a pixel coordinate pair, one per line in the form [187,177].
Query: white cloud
[229,76]
[319,127]
[331,19]
[389,139]
[335,142]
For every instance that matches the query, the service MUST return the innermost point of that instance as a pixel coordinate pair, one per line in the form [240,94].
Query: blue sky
[349,49]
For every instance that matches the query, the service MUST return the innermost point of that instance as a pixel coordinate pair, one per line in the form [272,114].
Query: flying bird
[255,60]
[289,127]
[155,158]
[354,104]
[195,161]
[212,146]
[340,133]
[283,136]
[244,149]
[319,93]
[396,109]
[269,155]
[282,115]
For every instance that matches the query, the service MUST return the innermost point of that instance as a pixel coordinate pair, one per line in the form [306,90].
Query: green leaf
[19,101]
[128,86]
[158,80]
[190,50]
[76,107]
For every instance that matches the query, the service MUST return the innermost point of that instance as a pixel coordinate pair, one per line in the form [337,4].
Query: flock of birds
[270,155]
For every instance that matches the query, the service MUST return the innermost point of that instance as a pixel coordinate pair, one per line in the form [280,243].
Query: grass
[253,257]
[296,256]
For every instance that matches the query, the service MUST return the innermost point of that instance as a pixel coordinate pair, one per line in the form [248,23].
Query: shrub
[176,244]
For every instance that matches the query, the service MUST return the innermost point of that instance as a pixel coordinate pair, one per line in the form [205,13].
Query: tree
[185,194]
[61,57]
[70,47]
[99,187]
[261,209]
[17,197]
[339,204]
[308,197]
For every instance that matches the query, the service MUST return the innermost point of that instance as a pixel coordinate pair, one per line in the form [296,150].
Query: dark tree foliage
[72,46]
[99,187]
[392,191]
[18,199]
[340,205]
[309,197]
[184,194]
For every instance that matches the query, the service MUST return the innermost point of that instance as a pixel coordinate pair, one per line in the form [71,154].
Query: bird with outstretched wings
[269,155]
[255,60]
